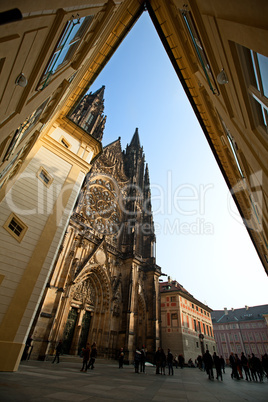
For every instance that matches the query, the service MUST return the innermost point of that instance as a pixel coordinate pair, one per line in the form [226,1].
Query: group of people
[210,361]
[89,355]
[254,368]
[140,359]
[162,360]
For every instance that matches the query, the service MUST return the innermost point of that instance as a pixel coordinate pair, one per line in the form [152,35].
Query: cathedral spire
[134,160]
[135,142]
[146,176]
[89,113]
[99,93]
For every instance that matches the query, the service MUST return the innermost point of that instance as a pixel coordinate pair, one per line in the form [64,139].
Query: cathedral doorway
[84,331]
[69,330]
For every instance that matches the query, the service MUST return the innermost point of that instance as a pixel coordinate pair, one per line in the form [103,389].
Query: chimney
[232,309]
[246,307]
[169,279]
[225,311]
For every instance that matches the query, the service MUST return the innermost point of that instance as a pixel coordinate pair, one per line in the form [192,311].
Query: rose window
[102,208]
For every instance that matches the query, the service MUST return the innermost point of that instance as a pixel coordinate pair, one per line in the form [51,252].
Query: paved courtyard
[37,381]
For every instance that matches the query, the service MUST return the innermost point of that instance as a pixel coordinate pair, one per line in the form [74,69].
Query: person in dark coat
[93,355]
[238,366]
[27,349]
[143,359]
[234,373]
[163,362]
[256,364]
[170,362]
[245,367]
[85,355]
[207,359]
[217,364]
[252,368]
[58,352]
[157,359]
[137,359]
[199,362]
[181,361]
[222,364]
[264,361]
[121,358]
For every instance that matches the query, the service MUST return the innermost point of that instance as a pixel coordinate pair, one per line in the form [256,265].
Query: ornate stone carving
[85,293]
[101,206]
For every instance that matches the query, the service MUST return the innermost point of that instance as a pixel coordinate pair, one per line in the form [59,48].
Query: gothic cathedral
[104,286]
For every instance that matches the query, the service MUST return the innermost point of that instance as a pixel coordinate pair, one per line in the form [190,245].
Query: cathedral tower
[89,113]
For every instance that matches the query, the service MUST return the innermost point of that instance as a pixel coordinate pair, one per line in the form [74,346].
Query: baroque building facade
[241,330]
[186,325]
[104,287]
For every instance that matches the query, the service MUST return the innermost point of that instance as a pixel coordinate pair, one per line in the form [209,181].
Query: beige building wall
[42,206]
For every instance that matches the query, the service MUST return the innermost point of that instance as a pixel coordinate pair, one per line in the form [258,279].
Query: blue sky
[201,241]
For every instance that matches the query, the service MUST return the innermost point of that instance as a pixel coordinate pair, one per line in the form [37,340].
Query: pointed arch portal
[89,309]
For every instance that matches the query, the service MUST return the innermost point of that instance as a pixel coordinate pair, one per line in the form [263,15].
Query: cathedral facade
[104,286]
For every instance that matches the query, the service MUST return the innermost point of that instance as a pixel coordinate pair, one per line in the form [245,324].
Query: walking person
[85,355]
[143,359]
[121,358]
[199,362]
[163,362]
[170,362]
[93,355]
[28,348]
[234,373]
[238,366]
[252,368]
[222,364]
[257,366]
[58,352]
[245,367]
[137,359]
[157,359]
[264,361]
[181,361]
[217,364]
[207,359]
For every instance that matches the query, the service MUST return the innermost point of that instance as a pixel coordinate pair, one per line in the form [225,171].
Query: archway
[88,311]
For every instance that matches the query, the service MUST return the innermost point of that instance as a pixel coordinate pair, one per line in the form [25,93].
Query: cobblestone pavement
[38,381]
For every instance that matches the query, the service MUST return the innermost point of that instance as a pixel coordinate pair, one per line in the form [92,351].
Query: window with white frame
[67,44]
[23,129]
[233,148]
[199,49]
[255,68]
[260,66]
